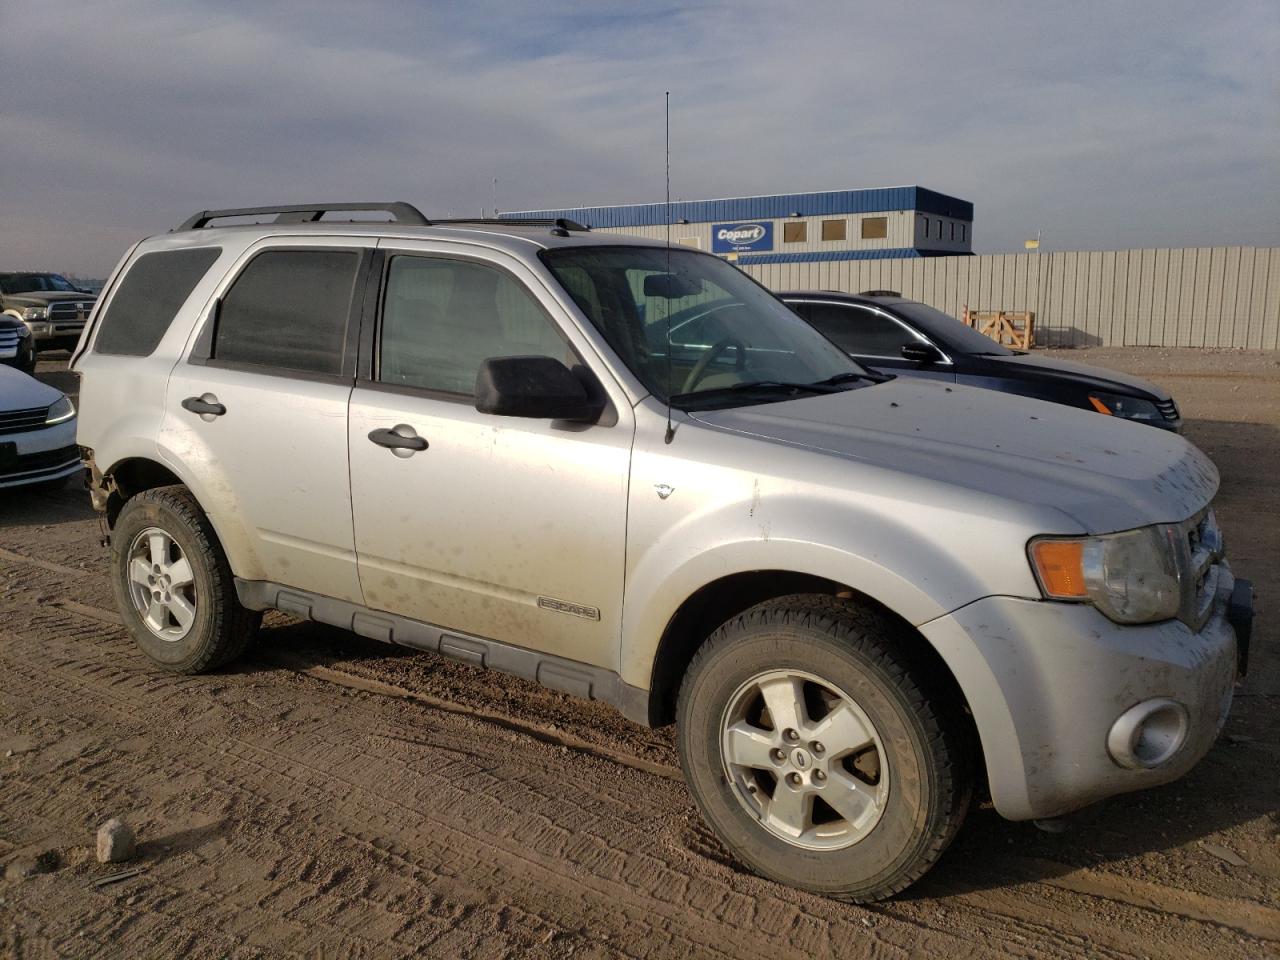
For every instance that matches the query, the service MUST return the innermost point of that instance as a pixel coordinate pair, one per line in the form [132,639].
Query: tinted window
[859,331]
[833,229]
[148,298]
[949,331]
[288,309]
[442,318]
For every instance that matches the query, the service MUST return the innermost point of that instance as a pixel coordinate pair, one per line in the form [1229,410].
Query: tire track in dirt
[1011,920]
[628,881]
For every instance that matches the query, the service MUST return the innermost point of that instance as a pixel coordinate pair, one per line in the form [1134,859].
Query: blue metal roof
[753,208]
[894,253]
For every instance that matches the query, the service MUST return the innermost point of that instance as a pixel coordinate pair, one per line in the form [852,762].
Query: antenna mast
[666,101]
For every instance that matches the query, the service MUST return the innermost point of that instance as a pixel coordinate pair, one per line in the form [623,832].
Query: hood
[21,392]
[1105,473]
[1082,374]
[40,298]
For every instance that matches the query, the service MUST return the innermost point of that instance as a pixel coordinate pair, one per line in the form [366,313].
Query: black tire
[924,737]
[222,628]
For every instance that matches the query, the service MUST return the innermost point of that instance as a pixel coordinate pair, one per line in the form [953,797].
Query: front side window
[442,318]
[288,310]
[691,326]
[857,330]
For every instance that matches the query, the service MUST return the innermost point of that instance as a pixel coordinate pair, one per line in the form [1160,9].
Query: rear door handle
[207,406]
[401,439]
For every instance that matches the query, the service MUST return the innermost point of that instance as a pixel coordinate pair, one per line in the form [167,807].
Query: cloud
[1104,125]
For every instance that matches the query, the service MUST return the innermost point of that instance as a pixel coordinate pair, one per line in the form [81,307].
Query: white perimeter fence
[1180,297]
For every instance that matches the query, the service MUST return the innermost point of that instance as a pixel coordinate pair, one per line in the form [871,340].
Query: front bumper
[60,333]
[39,456]
[1048,683]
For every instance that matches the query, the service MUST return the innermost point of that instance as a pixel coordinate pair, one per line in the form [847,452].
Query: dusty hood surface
[1105,473]
[21,392]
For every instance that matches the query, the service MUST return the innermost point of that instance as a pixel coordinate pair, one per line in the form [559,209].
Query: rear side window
[288,310]
[148,298]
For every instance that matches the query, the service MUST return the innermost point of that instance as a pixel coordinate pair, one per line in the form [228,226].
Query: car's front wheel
[820,750]
[173,585]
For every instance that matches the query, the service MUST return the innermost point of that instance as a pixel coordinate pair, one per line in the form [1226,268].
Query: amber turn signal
[1100,406]
[1060,566]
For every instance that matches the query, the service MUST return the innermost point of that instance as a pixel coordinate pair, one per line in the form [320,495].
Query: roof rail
[309,213]
[879,293]
[560,226]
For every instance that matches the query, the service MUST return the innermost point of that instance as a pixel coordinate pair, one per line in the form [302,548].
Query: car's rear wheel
[820,749]
[173,585]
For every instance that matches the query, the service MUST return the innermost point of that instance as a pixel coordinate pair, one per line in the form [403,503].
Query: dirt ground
[332,797]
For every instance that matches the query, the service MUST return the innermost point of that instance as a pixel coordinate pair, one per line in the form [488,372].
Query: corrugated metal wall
[1188,297]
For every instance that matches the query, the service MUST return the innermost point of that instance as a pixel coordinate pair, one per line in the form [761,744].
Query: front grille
[12,464]
[68,316]
[19,421]
[8,339]
[1204,548]
[68,310]
[1168,409]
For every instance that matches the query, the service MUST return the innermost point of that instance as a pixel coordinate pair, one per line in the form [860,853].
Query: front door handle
[207,406]
[401,439]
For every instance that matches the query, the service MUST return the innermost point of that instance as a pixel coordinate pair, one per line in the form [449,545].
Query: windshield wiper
[755,386]
[847,377]
[760,386]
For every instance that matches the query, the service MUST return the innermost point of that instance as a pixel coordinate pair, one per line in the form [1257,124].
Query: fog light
[1149,734]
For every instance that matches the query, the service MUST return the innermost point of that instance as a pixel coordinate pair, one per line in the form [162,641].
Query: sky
[1104,125]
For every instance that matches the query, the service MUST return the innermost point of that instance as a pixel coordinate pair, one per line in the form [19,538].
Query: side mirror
[921,352]
[540,388]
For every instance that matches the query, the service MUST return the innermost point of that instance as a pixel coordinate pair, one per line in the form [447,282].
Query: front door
[505,528]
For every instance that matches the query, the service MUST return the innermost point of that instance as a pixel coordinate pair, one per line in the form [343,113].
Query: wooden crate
[1007,327]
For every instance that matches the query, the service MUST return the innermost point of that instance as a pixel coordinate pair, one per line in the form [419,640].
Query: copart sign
[741,237]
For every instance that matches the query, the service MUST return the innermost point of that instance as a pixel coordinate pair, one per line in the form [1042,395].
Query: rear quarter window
[148,298]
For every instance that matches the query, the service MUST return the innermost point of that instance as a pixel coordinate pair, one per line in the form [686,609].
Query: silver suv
[859,598]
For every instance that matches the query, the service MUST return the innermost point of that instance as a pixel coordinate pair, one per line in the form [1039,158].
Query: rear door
[872,337]
[506,528]
[258,410]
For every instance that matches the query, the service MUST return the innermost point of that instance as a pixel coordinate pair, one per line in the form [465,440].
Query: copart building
[795,227]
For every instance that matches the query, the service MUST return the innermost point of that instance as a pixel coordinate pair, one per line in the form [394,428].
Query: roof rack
[560,226]
[309,213]
[879,293]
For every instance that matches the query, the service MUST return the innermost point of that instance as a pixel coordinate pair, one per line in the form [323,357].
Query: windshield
[952,332]
[35,283]
[695,330]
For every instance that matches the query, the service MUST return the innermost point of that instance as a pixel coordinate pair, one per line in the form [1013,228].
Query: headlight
[35,313]
[1128,408]
[1132,577]
[61,411]
[22,330]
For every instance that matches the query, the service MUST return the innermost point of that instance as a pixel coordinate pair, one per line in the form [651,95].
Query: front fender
[919,550]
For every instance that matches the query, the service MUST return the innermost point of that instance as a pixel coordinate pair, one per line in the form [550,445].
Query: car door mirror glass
[540,388]
[921,352]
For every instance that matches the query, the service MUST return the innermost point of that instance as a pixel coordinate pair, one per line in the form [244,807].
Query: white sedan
[37,432]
